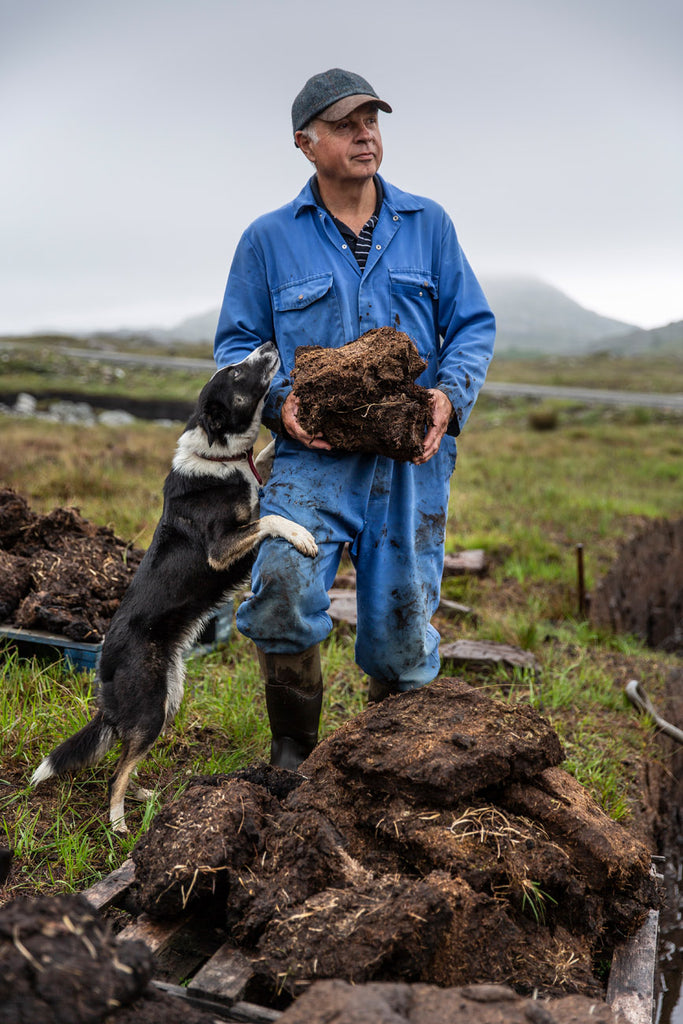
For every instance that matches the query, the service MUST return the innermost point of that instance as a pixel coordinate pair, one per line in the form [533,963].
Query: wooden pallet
[220,973]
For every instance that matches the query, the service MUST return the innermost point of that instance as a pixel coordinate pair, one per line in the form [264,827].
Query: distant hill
[195,328]
[658,341]
[535,317]
[532,317]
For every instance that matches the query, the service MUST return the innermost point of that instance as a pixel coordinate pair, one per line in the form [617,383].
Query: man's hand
[442,410]
[289,413]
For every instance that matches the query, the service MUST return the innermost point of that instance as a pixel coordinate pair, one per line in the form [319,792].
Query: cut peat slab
[362,397]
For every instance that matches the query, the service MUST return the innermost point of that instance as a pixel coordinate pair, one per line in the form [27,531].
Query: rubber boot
[378,690]
[294,695]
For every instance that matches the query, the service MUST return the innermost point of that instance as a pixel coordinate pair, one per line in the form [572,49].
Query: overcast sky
[140,137]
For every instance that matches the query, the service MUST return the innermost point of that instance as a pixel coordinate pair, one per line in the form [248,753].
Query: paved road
[592,396]
[585,396]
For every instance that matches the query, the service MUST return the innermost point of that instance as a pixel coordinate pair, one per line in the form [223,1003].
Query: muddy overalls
[295,281]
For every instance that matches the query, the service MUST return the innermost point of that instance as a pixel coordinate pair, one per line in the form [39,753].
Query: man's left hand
[442,411]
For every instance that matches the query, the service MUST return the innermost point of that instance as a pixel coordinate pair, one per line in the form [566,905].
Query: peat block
[184,858]
[362,397]
[61,962]
[387,1003]
[433,839]
[60,573]
[440,744]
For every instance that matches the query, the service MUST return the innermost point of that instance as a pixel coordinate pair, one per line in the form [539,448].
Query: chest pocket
[414,297]
[306,312]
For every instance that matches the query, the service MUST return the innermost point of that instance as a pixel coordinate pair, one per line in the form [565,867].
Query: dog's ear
[212,419]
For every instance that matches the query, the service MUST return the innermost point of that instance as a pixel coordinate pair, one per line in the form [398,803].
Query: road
[585,396]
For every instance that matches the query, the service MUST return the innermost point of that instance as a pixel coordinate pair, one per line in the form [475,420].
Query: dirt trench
[643,591]
[432,839]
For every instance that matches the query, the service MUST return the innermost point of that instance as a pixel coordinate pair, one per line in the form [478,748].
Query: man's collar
[398,201]
[379,192]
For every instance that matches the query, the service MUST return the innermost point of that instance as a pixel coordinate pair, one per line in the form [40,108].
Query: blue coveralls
[294,280]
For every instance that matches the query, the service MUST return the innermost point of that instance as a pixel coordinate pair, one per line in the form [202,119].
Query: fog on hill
[533,318]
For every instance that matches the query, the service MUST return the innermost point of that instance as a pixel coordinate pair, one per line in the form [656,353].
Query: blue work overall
[294,280]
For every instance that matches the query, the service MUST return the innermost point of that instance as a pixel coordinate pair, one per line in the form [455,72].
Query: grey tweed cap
[332,95]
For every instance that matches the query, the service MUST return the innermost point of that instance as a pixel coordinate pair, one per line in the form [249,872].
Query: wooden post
[631,986]
[581,581]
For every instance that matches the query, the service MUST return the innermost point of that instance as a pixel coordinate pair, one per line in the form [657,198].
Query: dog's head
[230,405]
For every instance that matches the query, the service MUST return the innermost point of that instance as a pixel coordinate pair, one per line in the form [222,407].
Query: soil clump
[61,962]
[60,573]
[363,396]
[433,839]
[338,1002]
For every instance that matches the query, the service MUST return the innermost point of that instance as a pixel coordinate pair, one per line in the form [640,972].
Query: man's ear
[305,145]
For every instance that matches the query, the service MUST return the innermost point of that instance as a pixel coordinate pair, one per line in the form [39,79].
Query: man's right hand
[289,414]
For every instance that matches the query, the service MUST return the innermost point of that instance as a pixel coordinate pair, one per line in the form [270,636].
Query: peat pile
[61,962]
[433,839]
[337,1002]
[363,396]
[643,591]
[58,572]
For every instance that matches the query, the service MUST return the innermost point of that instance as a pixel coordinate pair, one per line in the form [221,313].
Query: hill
[532,316]
[535,317]
[658,341]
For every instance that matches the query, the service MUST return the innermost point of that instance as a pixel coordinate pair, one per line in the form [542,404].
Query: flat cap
[332,95]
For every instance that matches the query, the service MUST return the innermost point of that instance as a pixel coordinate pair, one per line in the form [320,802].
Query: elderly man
[352,252]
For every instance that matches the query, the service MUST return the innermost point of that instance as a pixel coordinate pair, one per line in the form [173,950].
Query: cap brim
[341,108]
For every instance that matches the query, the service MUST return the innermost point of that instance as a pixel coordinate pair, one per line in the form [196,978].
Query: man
[351,253]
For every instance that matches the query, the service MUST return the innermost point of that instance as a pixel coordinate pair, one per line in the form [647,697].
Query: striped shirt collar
[358,244]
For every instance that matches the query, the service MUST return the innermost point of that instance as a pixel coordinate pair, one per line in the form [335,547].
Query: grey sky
[140,137]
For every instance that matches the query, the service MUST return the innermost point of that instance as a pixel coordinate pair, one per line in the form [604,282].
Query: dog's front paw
[303,541]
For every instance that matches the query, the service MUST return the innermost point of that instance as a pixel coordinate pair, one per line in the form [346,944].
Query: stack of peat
[58,572]
[430,863]
[431,839]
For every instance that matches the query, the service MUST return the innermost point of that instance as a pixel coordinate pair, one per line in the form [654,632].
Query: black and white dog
[202,550]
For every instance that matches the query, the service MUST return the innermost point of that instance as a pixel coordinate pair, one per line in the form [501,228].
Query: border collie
[202,550]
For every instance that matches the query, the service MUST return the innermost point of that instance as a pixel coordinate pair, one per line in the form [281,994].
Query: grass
[527,497]
[659,373]
[43,364]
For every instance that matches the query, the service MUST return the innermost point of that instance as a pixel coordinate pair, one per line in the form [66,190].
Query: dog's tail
[84,748]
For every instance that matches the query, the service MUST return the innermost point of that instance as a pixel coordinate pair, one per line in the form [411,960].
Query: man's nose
[364,132]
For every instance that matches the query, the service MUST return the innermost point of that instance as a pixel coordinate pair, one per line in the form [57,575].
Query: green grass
[41,365]
[663,372]
[526,497]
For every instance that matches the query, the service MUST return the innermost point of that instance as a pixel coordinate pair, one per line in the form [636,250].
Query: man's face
[346,150]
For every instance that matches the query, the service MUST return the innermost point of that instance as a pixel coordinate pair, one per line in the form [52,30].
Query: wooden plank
[447,607]
[464,562]
[224,977]
[250,1013]
[241,1012]
[155,934]
[487,653]
[343,606]
[103,893]
[631,986]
